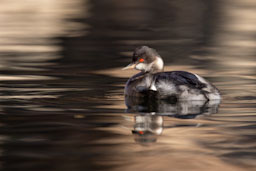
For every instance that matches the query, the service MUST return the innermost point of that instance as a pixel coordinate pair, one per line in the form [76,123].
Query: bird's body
[176,84]
[152,81]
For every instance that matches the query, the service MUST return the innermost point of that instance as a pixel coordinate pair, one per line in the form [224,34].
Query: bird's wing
[180,78]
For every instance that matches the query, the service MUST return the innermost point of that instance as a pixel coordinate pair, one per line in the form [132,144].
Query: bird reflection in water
[149,120]
[147,128]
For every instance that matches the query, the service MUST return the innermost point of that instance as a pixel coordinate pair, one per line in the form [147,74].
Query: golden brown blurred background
[61,85]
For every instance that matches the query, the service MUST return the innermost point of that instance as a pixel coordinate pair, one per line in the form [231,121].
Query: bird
[152,81]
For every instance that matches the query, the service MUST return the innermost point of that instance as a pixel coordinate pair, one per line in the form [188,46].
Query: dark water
[61,87]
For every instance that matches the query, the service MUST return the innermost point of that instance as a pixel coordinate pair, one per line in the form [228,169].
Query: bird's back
[178,84]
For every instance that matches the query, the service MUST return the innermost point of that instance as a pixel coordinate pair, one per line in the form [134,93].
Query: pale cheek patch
[140,66]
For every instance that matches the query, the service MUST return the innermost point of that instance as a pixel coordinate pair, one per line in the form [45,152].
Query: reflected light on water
[61,85]
[28,28]
[28,31]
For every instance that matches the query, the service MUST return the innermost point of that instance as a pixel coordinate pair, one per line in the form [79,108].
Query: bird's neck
[157,66]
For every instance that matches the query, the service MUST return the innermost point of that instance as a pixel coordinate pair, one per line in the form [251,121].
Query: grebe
[175,85]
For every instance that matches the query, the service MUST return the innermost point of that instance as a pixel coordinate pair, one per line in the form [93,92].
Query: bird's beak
[130,66]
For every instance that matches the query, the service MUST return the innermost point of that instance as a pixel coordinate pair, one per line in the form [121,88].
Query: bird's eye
[141,60]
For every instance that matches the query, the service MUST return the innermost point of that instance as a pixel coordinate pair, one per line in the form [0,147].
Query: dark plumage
[180,78]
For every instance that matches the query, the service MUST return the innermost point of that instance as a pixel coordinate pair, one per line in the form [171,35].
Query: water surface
[61,85]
